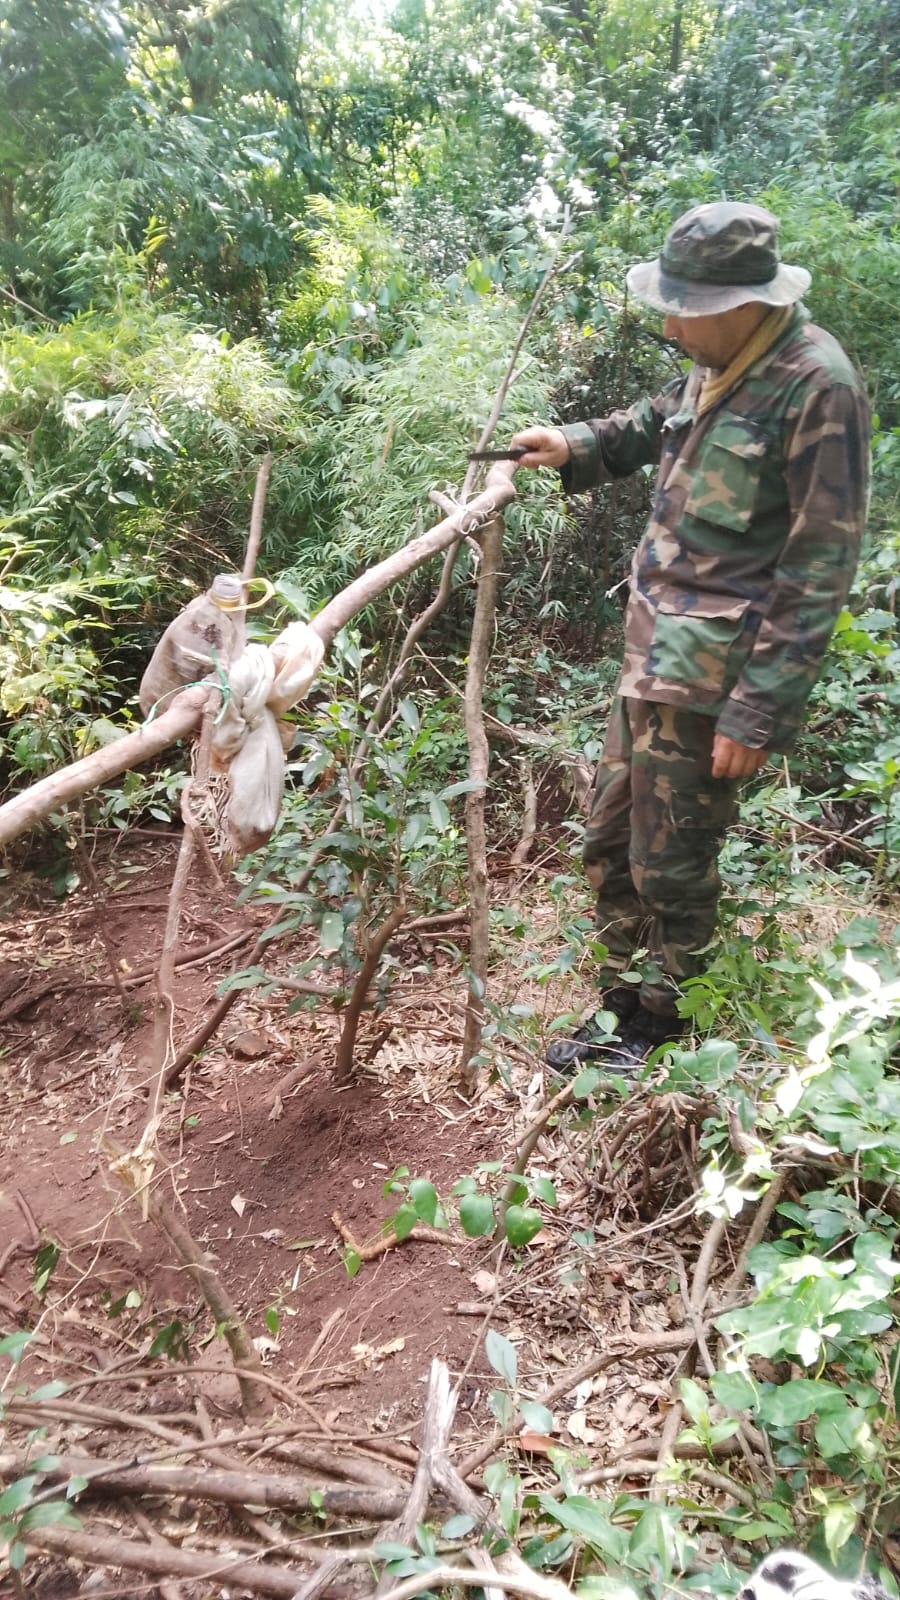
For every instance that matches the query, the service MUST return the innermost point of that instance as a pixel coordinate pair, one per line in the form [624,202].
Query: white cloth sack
[263,683]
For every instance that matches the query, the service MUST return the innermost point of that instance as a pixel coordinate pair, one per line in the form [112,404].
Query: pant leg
[679,816]
[621,917]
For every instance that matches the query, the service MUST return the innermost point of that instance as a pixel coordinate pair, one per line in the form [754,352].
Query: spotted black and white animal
[788,1575]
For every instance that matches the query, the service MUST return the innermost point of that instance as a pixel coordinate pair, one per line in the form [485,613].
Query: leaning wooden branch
[248,1367]
[50,794]
[476,844]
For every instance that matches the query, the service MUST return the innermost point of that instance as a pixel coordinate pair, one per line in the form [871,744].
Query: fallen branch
[101,1550]
[648,1468]
[529,1584]
[388,1241]
[440,1406]
[341,1465]
[214,1484]
[50,794]
[167,1591]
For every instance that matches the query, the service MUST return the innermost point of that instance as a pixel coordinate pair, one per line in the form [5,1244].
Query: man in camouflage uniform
[735,588]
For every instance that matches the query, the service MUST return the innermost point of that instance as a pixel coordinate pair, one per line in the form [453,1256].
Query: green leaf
[425,1539]
[595,1587]
[331,932]
[46,1259]
[785,1404]
[846,1433]
[734,1390]
[410,714]
[521,1223]
[439,812]
[466,786]
[501,1355]
[417,828]
[467,1184]
[388,1550]
[457,1527]
[404,1220]
[586,1082]
[756,1528]
[476,1215]
[423,1197]
[536,1416]
[14,1344]
[693,1398]
[49,1391]
[541,1552]
[839,1525]
[352,1261]
[542,1189]
[272,1320]
[17,1495]
[652,1542]
[583,1517]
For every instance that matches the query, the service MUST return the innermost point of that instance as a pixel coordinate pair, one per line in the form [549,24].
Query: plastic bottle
[211,629]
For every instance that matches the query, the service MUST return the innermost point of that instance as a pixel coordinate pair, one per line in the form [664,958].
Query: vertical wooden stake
[479,904]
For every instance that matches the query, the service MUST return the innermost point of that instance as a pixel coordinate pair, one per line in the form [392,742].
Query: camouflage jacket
[753,538]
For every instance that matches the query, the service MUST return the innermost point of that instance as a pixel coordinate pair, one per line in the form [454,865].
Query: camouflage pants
[652,842]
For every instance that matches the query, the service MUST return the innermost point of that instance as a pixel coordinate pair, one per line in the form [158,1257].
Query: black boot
[642,1034]
[571,1052]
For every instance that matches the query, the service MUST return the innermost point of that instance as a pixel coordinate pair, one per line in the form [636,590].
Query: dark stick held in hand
[514,453]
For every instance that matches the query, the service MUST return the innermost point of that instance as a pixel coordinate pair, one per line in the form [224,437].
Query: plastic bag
[211,629]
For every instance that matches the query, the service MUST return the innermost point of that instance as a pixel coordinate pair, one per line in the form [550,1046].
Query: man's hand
[733,760]
[545,447]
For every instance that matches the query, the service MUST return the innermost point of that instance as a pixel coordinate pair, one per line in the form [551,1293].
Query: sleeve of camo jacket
[618,444]
[827,473]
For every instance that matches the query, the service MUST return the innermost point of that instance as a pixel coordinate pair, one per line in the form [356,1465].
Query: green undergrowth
[806,1354]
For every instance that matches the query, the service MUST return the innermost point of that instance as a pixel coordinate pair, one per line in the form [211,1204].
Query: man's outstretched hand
[733,760]
[544,447]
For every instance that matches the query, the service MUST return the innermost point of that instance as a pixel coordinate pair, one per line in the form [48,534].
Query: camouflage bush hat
[717,257]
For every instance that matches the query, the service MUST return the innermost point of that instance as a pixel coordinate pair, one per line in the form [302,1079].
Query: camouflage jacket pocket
[727,476]
[704,647]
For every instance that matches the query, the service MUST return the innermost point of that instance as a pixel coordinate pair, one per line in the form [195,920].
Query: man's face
[713,341]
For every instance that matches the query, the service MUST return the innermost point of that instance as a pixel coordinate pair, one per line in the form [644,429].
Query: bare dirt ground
[260,1151]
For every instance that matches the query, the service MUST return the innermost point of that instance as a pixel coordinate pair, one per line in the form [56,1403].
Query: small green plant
[23,1505]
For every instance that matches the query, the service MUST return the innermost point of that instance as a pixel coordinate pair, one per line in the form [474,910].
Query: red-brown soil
[259,1176]
[257,1152]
